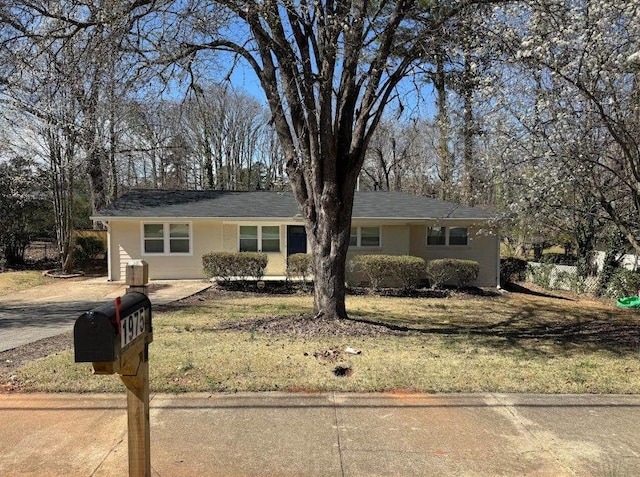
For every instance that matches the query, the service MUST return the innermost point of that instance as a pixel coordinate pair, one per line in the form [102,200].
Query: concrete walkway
[51,309]
[275,434]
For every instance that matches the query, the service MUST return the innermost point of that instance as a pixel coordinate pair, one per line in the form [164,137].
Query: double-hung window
[445,236]
[254,238]
[458,236]
[365,237]
[166,238]
[436,236]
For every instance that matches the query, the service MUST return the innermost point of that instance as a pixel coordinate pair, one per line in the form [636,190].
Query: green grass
[515,343]
[11,282]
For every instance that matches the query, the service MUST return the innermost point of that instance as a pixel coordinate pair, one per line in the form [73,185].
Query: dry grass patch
[512,343]
[11,282]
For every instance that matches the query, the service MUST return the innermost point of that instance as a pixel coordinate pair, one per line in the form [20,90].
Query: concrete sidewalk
[276,434]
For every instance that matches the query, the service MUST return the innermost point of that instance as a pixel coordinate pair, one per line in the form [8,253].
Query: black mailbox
[106,333]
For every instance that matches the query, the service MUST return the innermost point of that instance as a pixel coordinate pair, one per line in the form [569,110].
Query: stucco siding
[277,264]
[482,247]
[394,239]
[230,238]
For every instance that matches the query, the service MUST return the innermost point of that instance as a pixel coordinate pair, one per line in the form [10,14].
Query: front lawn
[511,343]
[15,281]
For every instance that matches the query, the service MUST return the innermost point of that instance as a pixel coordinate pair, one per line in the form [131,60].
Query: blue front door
[296,239]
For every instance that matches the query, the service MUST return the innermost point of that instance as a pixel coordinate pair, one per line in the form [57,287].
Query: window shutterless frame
[364,236]
[259,238]
[438,236]
[167,238]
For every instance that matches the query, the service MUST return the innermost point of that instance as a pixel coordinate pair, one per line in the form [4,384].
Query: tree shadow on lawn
[526,331]
[515,288]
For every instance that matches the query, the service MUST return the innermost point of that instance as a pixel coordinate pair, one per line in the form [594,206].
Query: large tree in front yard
[328,69]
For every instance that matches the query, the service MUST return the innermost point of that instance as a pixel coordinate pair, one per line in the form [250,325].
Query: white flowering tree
[572,97]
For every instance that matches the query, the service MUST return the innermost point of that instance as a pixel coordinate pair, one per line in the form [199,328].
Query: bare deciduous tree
[328,69]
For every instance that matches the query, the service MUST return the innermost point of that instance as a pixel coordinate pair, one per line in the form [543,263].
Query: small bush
[406,270]
[87,248]
[512,270]
[623,283]
[374,267]
[240,265]
[409,270]
[442,270]
[299,266]
[467,271]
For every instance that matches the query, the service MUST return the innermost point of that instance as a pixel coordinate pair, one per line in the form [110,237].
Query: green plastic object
[629,302]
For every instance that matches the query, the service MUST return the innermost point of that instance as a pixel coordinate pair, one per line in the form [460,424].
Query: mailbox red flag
[118,304]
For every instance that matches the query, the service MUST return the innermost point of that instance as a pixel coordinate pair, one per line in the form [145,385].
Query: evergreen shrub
[299,266]
[405,270]
[512,270]
[443,270]
[239,265]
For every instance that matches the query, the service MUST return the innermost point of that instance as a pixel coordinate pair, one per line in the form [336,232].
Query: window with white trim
[365,237]
[166,238]
[254,238]
[447,236]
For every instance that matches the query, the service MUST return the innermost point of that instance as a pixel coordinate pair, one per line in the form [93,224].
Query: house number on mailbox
[131,327]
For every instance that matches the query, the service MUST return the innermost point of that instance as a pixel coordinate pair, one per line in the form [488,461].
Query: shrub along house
[171,230]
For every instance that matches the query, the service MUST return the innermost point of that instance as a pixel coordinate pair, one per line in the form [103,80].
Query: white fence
[559,274]
[630,262]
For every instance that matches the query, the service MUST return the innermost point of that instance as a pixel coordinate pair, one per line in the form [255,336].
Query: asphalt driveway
[51,309]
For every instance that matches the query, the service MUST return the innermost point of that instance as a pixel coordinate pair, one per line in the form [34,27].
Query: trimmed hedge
[442,270]
[300,266]
[240,265]
[406,270]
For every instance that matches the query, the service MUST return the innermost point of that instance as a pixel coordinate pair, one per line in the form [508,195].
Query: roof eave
[107,218]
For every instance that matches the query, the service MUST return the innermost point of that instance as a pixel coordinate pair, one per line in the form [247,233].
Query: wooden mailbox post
[115,337]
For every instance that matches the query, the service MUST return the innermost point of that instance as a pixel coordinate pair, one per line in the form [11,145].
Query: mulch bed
[308,326]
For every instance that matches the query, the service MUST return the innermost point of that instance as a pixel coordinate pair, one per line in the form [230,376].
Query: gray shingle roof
[233,204]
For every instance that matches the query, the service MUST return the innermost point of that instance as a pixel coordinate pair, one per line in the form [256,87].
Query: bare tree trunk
[445,159]
[468,134]
[61,163]
[113,145]
[329,242]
